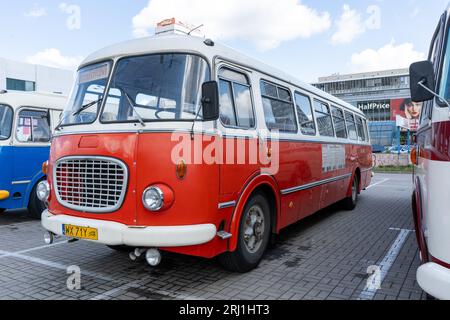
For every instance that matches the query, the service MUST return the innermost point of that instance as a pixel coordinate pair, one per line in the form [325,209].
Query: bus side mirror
[422,74]
[210,101]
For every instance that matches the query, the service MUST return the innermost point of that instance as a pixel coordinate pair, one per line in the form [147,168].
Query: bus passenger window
[339,123]
[305,114]
[6,120]
[351,126]
[227,115]
[33,126]
[279,109]
[360,128]
[324,121]
[236,107]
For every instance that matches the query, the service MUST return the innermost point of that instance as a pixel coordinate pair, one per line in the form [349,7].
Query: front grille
[90,184]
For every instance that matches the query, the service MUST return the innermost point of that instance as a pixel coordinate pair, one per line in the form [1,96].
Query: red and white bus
[113,177]
[430,84]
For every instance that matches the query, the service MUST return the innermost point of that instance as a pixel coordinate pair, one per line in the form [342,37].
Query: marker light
[43,191]
[153,199]
[181,169]
[45,168]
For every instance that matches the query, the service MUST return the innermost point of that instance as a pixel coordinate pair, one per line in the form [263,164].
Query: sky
[306,38]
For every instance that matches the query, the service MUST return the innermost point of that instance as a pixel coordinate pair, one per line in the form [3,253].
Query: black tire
[122,248]
[430,298]
[35,206]
[2,210]
[350,203]
[243,259]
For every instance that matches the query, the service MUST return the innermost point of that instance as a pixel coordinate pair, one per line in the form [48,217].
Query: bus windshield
[6,117]
[157,87]
[87,96]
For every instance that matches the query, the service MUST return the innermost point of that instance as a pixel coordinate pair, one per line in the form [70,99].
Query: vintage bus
[26,123]
[113,177]
[430,84]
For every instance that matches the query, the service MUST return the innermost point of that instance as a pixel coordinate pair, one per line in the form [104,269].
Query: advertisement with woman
[407,109]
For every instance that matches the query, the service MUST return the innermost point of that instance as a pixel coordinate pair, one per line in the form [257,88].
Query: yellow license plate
[80,232]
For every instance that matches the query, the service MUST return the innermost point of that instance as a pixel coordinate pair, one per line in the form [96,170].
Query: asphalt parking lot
[328,256]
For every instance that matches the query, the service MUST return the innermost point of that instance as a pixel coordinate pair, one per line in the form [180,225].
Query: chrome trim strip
[314,184]
[225,205]
[14,183]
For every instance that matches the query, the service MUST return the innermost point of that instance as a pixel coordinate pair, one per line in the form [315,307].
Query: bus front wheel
[351,202]
[254,236]
[35,206]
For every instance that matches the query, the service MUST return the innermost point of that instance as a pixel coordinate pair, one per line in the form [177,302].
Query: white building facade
[28,77]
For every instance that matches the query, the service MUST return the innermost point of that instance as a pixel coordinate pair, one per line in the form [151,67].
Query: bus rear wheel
[35,206]
[254,236]
[351,202]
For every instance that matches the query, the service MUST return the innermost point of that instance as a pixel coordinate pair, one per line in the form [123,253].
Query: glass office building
[381,95]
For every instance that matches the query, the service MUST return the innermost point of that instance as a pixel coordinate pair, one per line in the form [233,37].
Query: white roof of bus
[17,99]
[171,43]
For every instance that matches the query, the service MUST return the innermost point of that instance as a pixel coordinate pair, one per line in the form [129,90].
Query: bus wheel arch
[417,217]
[358,174]
[264,185]
[253,234]
[34,205]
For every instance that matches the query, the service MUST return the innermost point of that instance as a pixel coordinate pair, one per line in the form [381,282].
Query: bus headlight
[43,191]
[153,198]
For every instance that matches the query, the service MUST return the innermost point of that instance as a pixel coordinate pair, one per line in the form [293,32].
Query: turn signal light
[181,169]
[414,157]
[45,168]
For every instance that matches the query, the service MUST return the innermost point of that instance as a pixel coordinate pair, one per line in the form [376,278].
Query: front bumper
[115,234]
[434,280]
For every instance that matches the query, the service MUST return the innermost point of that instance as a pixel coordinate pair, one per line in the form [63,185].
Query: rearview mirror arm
[422,84]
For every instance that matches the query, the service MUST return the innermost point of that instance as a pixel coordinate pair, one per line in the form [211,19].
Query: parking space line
[378,183]
[386,264]
[108,294]
[5,254]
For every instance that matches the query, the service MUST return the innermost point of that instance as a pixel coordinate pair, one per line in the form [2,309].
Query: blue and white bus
[27,120]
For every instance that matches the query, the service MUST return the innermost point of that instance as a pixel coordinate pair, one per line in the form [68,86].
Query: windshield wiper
[86,106]
[133,105]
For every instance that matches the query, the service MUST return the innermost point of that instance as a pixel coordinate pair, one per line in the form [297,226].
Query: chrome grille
[90,184]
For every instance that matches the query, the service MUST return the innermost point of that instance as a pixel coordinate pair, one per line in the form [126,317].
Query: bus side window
[351,126]
[33,126]
[360,129]
[305,114]
[339,122]
[324,120]
[279,109]
[366,130]
[236,106]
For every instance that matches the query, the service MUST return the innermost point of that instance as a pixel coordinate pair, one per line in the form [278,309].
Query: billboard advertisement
[391,110]
[406,109]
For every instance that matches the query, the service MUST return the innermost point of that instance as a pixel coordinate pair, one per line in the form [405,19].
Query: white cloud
[36,12]
[265,23]
[54,58]
[390,56]
[349,26]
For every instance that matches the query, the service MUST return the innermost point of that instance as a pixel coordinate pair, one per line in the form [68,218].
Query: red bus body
[211,197]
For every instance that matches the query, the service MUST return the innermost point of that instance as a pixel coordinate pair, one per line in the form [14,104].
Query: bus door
[31,148]
[237,117]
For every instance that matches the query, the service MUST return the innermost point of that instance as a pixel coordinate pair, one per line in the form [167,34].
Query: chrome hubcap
[254,229]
